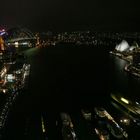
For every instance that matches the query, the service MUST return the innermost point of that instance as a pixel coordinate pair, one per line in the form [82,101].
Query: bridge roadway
[20,39]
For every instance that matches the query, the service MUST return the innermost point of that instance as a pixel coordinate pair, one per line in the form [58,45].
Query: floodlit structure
[2,47]
[20,37]
[123,46]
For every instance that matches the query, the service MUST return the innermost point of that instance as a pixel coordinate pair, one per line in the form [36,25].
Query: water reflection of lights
[121,63]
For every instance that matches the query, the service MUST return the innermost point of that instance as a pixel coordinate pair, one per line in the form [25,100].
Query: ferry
[132,108]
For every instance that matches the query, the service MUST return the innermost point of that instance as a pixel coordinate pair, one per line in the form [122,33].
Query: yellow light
[16,44]
[102,137]
[43,127]
[125,120]
[125,100]
[4,91]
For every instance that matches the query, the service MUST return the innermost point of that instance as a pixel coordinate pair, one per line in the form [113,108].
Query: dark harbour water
[67,79]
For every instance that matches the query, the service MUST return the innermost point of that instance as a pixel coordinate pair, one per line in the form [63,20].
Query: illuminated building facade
[2,47]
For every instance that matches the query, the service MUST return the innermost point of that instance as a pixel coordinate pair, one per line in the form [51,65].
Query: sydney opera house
[130,53]
[125,47]
[126,51]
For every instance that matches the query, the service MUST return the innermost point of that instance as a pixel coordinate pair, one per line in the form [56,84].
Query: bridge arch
[20,36]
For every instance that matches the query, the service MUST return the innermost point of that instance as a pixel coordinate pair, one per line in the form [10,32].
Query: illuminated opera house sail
[125,47]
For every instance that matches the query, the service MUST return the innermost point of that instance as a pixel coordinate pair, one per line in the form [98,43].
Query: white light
[10,77]
[125,100]
[18,72]
[2,33]
[4,90]
[74,135]
[16,44]
[123,46]
[96,130]
[125,120]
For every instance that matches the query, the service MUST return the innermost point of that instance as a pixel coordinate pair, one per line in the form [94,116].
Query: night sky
[67,15]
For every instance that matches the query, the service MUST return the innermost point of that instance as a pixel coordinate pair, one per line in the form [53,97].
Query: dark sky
[71,14]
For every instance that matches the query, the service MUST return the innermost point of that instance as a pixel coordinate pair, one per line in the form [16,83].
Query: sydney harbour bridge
[19,37]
